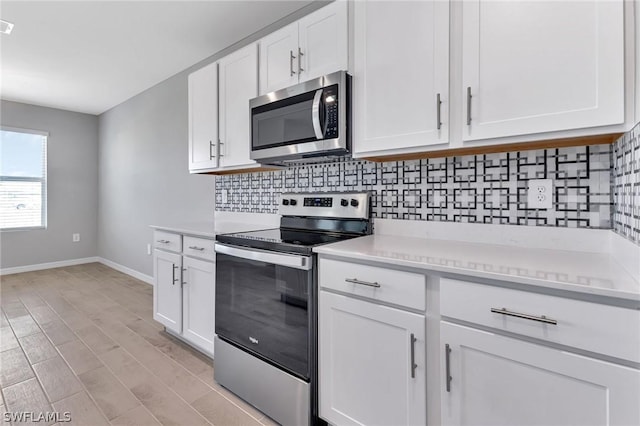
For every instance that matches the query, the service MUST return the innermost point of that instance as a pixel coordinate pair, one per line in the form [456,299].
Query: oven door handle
[282,259]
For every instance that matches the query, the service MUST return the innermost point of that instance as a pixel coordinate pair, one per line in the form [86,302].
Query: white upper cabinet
[238,84]
[203,118]
[401,76]
[311,47]
[323,41]
[531,67]
[278,59]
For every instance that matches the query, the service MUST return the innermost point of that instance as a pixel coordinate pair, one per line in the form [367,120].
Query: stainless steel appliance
[266,303]
[308,120]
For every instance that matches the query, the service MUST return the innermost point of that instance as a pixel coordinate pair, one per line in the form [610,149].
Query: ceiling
[89,56]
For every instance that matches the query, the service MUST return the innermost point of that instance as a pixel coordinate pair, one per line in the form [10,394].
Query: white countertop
[593,273]
[209,229]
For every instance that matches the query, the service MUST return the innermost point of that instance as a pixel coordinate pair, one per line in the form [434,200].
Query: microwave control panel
[330,95]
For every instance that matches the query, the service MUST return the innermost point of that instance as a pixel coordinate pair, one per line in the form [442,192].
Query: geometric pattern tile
[626,185]
[489,188]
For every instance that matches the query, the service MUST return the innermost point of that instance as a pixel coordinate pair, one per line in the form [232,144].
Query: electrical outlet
[76,238]
[539,194]
[149,249]
[225,196]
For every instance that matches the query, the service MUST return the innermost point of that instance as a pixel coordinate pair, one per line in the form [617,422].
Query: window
[23,179]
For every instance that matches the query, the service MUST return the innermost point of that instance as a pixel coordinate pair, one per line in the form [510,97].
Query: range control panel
[353,205]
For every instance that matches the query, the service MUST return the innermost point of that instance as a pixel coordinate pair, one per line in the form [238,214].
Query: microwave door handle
[315,115]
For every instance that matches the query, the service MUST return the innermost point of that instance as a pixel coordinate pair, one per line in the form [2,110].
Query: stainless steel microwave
[305,121]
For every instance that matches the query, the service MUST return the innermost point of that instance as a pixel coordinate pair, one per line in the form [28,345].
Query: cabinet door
[167,294]
[401,69]
[365,354]
[533,67]
[238,84]
[203,118]
[497,380]
[278,59]
[198,303]
[323,41]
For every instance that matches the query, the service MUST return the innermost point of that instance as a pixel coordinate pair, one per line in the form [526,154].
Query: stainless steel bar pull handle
[291,58]
[300,55]
[357,281]
[438,118]
[542,318]
[468,106]
[196,248]
[164,241]
[447,363]
[220,154]
[412,343]
[211,155]
[173,274]
[184,273]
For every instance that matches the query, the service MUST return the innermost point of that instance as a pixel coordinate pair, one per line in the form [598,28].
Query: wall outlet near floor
[539,194]
[225,196]
[76,238]
[149,249]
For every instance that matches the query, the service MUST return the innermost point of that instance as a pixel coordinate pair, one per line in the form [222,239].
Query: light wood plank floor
[82,340]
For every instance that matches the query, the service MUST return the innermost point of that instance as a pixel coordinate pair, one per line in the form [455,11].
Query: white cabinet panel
[401,69]
[496,380]
[314,46]
[167,292]
[323,41]
[278,59]
[203,117]
[238,84]
[198,307]
[365,354]
[533,67]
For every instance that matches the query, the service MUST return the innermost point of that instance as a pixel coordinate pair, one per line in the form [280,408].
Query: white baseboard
[48,265]
[126,270]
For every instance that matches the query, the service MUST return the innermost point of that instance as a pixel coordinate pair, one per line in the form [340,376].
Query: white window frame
[43,180]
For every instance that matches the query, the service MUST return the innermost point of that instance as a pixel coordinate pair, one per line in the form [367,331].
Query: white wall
[72,187]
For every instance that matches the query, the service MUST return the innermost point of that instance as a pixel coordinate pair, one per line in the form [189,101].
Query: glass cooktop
[283,240]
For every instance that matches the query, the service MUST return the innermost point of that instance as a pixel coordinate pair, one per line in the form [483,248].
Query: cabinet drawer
[198,247]
[386,285]
[603,329]
[167,241]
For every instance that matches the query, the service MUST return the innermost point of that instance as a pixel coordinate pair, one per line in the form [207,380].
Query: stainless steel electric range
[266,302]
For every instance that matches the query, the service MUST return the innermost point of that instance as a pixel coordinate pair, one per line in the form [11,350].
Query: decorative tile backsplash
[626,185]
[489,188]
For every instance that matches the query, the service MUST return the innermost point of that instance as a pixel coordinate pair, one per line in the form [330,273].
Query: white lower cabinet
[499,380]
[167,293]
[371,359]
[184,292]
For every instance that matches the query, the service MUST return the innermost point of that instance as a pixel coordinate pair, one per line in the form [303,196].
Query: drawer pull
[412,342]
[196,248]
[357,281]
[504,311]
[164,241]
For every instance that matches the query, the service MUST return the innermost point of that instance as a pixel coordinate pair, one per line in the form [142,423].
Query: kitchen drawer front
[199,247]
[398,287]
[167,241]
[594,327]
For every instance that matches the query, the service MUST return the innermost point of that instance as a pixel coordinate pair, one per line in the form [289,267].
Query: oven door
[263,305]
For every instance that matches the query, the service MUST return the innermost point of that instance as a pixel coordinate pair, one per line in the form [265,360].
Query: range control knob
[344,202]
[285,202]
[293,202]
[354,202]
